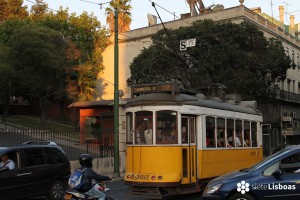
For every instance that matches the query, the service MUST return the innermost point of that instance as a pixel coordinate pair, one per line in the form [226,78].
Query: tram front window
[166,127]
[143,127]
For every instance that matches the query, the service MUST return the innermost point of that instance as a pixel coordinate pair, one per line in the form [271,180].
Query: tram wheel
[241,197]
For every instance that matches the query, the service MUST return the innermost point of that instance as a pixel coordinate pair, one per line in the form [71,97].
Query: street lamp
[116,94]
[116,99]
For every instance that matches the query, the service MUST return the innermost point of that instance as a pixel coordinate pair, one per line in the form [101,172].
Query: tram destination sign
[155,88]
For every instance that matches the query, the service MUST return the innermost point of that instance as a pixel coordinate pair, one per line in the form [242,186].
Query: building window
[287,51]
[298,61]
[293,56]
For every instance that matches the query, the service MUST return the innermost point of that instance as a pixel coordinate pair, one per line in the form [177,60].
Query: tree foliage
[236,56]
[61,46]
[39,10]
[12,9]
[124,15]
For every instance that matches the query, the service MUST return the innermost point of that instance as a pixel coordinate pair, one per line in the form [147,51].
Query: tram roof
[155,99]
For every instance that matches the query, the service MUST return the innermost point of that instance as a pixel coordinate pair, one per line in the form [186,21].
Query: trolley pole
[116,99]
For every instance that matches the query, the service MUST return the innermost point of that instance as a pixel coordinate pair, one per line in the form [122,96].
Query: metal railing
[99,144]
[286,95]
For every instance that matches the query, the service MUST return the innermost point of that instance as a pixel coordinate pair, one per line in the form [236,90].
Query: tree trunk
[5,108]
[42,105]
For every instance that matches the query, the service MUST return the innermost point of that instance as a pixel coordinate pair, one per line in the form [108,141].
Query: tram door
[189,150]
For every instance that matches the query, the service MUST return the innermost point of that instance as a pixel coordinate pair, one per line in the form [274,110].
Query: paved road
[120,191]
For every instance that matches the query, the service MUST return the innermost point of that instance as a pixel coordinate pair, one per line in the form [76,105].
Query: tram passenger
[173,132]
[235,142]
[210,138]
[148,133]
[247,139]
[240,136]
[221,139]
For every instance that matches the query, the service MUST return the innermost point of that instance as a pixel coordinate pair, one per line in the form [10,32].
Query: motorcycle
[75,195]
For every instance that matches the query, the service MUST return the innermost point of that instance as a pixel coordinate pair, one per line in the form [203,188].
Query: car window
[269,171]
[34,157]
[291,164]
[12,155]
[54,156]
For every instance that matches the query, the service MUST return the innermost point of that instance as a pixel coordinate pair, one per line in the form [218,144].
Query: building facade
[281,114]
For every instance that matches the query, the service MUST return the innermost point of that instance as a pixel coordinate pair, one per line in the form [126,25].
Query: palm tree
[124,15]
[83,87]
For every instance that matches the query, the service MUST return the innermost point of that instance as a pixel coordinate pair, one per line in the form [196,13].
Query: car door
[32,173]
[281,180]
[10,186]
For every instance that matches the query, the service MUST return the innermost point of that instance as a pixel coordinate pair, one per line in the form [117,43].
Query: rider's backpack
[75,180]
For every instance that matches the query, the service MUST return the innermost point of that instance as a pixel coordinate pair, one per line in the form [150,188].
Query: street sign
[191,42]
[184,44]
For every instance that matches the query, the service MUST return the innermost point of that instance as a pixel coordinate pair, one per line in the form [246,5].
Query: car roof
[31,144]
[291,147]
[3,148]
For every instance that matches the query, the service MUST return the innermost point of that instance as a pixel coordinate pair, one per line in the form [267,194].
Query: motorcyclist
[86,162]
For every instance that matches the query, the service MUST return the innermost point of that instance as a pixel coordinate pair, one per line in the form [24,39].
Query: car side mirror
[277,173]
[4,169]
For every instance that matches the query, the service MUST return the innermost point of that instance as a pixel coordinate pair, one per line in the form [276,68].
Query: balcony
[286,96]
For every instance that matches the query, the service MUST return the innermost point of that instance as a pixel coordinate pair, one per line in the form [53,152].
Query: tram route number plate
[166,87]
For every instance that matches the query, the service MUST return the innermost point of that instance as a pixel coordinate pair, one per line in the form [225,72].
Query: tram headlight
[212,189]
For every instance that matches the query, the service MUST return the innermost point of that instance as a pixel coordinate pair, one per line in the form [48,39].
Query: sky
[140,8]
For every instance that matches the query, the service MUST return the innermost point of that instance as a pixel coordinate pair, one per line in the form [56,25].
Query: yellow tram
[176,142]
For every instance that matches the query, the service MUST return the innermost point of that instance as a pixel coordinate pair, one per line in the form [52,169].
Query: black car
[40,170]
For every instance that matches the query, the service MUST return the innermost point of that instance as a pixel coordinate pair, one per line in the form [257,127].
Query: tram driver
[148,133]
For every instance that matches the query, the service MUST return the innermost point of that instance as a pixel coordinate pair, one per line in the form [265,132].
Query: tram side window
[144,127]
[247,138]
[129,128]
[230,132]
[239,137]
[210,132]
[221,142]
[254,134]
[166,127]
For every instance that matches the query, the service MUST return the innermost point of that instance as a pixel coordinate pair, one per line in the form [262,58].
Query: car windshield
[257,165]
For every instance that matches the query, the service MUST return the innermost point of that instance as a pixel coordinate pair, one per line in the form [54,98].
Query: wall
[103,166]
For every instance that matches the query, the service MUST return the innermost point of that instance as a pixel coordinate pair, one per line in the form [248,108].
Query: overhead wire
[169,12]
